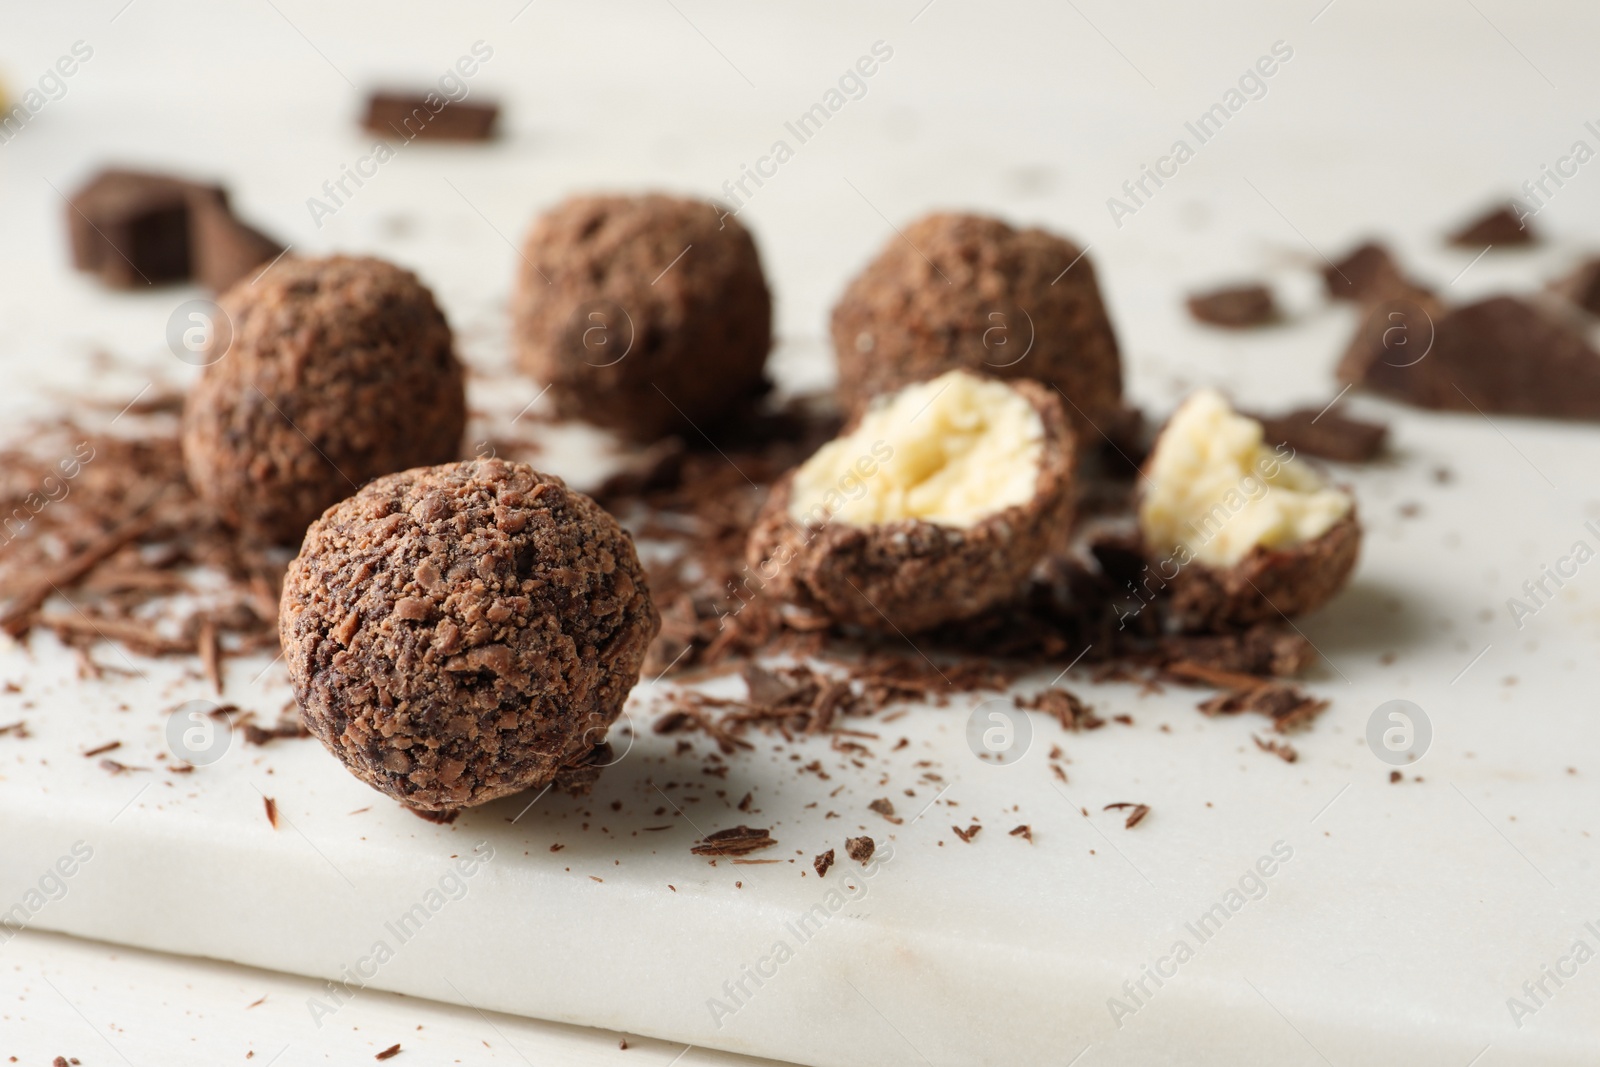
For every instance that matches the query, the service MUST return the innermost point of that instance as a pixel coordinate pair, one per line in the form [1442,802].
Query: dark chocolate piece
[1325,434]
[410,117]
[1502,355]
[1582,286]
[226,249]
[1367,272]
[1236,307]
[1500,226]
[957,291]
[133,228]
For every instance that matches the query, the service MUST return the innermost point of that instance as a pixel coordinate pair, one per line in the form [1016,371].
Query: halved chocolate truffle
[458,633]
[1237,531]
[932,506]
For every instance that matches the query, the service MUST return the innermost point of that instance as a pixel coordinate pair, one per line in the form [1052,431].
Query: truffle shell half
[1268,584]
[911,575]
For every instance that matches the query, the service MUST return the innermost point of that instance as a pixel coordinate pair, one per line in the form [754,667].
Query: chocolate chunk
[822,863]
[1326,434]
[133,228]
[1237,307]
[409,116]
[136,228]
[1499,227]
[224,248]
[1502,354]
[1582,286]
[1366,272]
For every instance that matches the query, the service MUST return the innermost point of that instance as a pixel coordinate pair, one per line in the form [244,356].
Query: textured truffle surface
[964,291]
[912,575]
[458,633]
[339,370]
[647,314]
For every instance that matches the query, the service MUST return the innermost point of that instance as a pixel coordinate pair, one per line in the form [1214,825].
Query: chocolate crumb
[1395,776]
[1282,749]
[100,749]
[272,811]
[968,834]
[389,1053]
[885,807]
[736,841]
[859,849]
[822,863]
[1025,832]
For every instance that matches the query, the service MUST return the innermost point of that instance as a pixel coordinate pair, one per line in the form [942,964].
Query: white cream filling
[951,451]
[1215,490]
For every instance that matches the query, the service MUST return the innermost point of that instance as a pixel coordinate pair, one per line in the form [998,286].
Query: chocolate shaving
[1065,706]
[98,750]
[968,834]
[1025,832]
[1282,749]
[272,811]
[1135,817]
[389,1053]
[737,841]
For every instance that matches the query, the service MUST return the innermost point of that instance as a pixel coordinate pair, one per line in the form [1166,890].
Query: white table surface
[1416,910]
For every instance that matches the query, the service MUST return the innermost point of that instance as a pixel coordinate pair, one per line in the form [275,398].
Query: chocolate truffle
[330,373]
[459,633]
[931,507]
[646,314]
[964,291]
[1502,354]
[1239,532]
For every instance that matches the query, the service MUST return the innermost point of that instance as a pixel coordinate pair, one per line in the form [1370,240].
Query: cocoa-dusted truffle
[646,314]
[338,370]
[458,633]
[1238,532]
[932,506]
[964,291]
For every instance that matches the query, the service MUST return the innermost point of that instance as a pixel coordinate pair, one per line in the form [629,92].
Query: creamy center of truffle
[951,451]
[1214,488]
